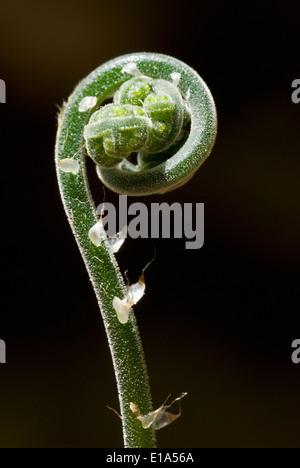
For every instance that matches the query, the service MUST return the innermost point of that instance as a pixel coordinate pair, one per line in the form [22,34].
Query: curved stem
[125,345]
[124,342]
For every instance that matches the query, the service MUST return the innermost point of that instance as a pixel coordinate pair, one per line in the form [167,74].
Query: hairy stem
[165,174]
[125,345]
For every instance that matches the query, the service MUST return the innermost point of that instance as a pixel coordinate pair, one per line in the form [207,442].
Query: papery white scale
[97,235]
[69,165]
[160,417]
[131,69]
[87,103]
[175,78]
[134,293]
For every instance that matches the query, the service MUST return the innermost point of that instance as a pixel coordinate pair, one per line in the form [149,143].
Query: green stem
[125,345]
[124,341]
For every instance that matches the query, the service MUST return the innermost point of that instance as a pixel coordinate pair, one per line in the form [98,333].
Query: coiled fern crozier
[163,111]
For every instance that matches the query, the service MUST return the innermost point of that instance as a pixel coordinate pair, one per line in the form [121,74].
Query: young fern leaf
[163,111]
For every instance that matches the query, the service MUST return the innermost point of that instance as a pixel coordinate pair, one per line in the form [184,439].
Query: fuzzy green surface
[179,168]
[124,342]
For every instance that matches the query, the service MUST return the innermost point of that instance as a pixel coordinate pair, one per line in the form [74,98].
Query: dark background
[216,322]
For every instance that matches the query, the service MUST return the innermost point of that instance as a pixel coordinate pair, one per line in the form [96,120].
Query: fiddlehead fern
[147,116]
[163,111]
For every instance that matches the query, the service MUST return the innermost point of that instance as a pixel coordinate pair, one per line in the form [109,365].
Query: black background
[216,322]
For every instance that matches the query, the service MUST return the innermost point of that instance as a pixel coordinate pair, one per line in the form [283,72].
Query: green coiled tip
[161,110]
[146,116]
